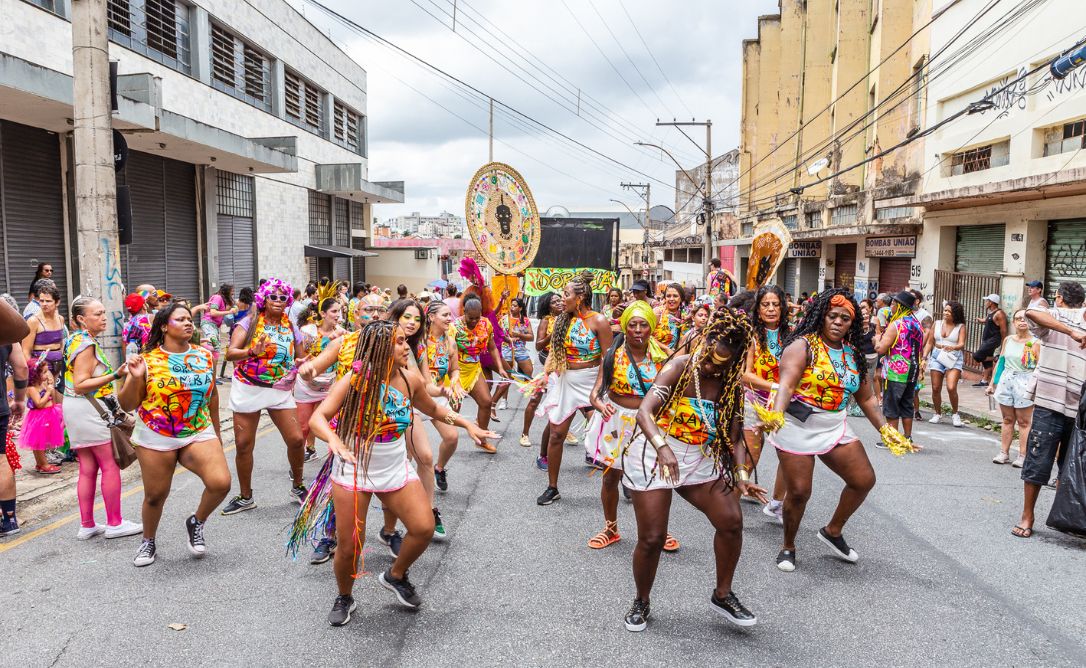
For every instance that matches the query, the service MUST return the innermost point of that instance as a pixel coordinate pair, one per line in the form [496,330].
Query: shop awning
[336,251]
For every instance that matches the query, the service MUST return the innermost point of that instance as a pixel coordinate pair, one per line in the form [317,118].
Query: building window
[916,100]
[844,215]
[694,255]
[980,158]
[234,193]
[894,212]
[746,229]
[342,223]
[346,127]
[320,219]
[159,29]
[239,69]
[55,6]
[1066,138]
[791,222]
[813,219]
[304,103]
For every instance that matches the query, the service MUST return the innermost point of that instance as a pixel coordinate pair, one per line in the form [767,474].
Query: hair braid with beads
[363,406]
[582,287]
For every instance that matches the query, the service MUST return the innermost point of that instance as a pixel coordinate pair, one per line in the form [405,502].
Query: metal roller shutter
[1065,257]
[894,274]
[244,252]
[182,241]
[225,234]
[844,275]
[146,255]
[234,203]
[786,276]
[358,264]
[980,249]
[33,210]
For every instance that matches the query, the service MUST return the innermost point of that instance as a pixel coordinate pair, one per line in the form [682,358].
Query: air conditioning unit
[422,253]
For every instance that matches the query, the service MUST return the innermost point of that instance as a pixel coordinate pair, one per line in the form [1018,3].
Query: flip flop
[671,544]
[1022,532]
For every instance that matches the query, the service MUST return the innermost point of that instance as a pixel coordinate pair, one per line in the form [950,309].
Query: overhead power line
[656,62]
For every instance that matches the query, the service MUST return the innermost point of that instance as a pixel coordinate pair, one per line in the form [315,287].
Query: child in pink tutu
[43,426]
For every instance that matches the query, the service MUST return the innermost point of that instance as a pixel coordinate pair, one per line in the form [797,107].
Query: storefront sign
[540,280]
[890,247]
[805,249]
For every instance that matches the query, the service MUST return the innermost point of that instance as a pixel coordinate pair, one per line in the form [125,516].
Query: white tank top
[951,340]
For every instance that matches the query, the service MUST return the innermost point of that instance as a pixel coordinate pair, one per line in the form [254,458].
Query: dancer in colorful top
[219,307]
[577,344]
[444,367]
[762,377]
[139,325]
[693,329]
[47,332]
[171,386]
[901,343]
[374,405]
[613,309]
[625,376]
[550,306]
[43,426]
[690,442]
[669,316]
[518,331]
[263,348]
[88,374]
[475,335]
[819,370]
[320,328]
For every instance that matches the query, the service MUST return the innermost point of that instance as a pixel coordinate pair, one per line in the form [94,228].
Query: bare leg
[449,439]
[1024,417]
[555,446]
[721,506]
[850,462]
[798,470]
[609,496]
[206,460]
[937,393]
[411,506]
[529,411]
[418,449]
[348,550]
[156,469]
[244,442]
[481,394]
[651,508]
[286,421]
[1006,429]
[952,378]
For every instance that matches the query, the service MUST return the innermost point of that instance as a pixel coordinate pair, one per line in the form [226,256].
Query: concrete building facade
[247,135]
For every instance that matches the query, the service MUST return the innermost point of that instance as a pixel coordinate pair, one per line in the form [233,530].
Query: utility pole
[707,202]
[95,180]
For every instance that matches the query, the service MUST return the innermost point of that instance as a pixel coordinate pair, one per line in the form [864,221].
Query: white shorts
[145,437]
[253,399]
[387,471]
[566,393]
[306,392]
[605,441]
[1015,389]
[85,426]
[821,432]
[639,465]
[438,401]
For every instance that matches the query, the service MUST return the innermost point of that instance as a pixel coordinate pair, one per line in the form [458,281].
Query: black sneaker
[341,610]
[549,496]
[626,492]
[786,560]
[323,552]
[439,526]
[310,456]
[839,547]
[441,479]
[733,610]
[391,540]
[9,526]
[404,590]
[881,446]
[195,530]
[145,556]
[297,494]
[638,616]
[239,504]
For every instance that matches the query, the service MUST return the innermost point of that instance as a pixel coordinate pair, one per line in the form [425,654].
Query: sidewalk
[973,404]
[41,496]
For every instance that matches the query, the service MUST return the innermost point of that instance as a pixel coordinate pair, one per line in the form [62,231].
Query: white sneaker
[503,405]
[934,419]
[125,528]
[956,420]
[1001,458]
[774,510]
[86,533]
[1018,462]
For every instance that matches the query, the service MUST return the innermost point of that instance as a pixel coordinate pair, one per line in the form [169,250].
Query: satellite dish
[817,166]
[557,211]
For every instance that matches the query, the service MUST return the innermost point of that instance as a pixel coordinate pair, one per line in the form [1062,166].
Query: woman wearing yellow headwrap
[627,373]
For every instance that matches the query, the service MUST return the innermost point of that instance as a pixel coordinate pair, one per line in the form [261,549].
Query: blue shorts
[934,365]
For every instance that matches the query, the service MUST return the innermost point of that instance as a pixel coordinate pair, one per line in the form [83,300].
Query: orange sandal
[671,544]
[487,447]
[609,536]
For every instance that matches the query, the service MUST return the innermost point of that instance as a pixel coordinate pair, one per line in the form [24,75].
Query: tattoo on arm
[661,392]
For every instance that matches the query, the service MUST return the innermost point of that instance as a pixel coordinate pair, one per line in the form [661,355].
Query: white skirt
[387,471]
[145,437]
[438,401]
[566,393]
[85,426]
[750,417]
[821,432]
[306,392]
[639,465]
[605,440]
[253,399]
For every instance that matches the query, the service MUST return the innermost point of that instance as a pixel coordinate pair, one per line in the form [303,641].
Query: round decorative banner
[502,218]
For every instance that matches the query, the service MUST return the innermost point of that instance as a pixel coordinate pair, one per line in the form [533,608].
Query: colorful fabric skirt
[470,373]
[387,470]
[638,464]
[43,428]
[566,393]
[821,432]
[605,440]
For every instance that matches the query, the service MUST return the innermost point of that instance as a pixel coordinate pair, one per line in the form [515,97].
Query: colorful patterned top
[668,328]
[75,344]
[625,382]
[767,360]
[138,329]
[691,421]
[904,357]
[831,377]
[178,390]
[437,358]
[582,344]
[395,415]
[275,365]
[346,352]
[509,325]
[470,344]
[314,341]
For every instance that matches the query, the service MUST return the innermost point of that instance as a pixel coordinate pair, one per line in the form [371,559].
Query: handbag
[1068,513]
[946,359]
[120,426]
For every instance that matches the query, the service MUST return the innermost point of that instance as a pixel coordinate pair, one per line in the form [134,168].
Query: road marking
[56,524]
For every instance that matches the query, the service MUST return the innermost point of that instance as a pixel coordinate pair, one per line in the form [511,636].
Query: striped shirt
[1061,369]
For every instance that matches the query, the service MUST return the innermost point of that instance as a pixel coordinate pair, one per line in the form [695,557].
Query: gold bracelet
[657,441]
[451,418]
[742,474]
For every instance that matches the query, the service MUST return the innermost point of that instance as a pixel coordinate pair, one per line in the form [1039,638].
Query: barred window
[55,6]
[159,29]
[304,103]
[240,69]
[1065,138]
[320,219]
[346,127]
[234,194]
[342,224]
[845,215]
[980,158]
[813,219]
[791,222]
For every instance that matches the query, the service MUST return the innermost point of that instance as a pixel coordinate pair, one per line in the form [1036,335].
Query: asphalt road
[940,580]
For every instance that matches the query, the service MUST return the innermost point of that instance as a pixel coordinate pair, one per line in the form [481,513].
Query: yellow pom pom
[770,419]
[895,441]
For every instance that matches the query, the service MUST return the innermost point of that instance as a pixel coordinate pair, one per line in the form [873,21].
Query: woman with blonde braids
[580,336]
[321,328]
[819,370]
[374,403]
[691,423]
[439,350]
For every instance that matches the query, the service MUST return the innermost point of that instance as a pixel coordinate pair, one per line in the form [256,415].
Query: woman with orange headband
[819,370]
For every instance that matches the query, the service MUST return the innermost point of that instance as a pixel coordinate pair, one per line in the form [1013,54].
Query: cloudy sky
[629,61]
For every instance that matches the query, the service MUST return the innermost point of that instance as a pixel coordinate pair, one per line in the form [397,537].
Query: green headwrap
[641,309]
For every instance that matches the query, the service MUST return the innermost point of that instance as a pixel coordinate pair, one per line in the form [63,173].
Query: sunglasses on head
[277,298]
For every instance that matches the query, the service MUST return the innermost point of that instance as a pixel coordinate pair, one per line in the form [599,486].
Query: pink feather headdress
[470,270]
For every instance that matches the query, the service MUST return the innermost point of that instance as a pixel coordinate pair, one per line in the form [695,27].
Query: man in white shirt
[1035,299]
